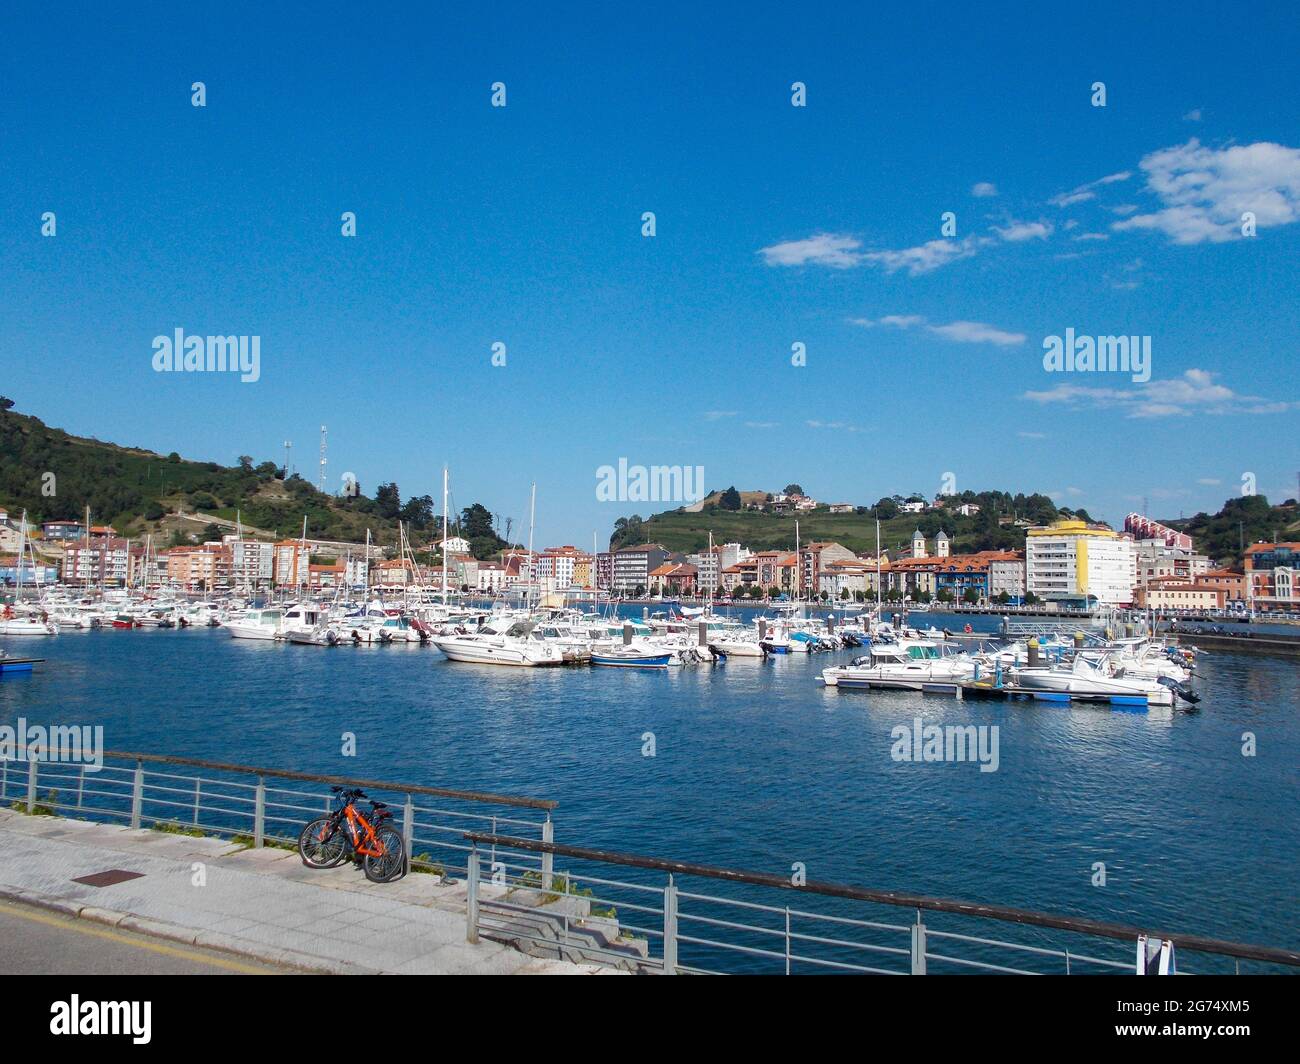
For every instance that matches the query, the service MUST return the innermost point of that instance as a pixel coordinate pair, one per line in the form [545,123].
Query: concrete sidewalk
[263,904]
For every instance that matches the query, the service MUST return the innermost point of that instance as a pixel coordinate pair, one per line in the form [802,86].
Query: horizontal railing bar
[979,964]
[342,781]
[1007,914]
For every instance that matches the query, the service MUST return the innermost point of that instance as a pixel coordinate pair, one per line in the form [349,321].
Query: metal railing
[671,930]
[263,806]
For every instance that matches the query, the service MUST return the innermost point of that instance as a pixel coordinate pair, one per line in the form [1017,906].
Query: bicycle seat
[379,805]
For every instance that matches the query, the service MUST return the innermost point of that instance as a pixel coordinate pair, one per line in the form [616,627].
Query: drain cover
[107,879]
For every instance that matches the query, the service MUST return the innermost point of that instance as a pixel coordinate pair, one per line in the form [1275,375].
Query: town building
[632,566]
[289,563]
[60,531]
[1176,593]
[107,561]
[1071,559]
[202,567]
[1272,582]
[674,578]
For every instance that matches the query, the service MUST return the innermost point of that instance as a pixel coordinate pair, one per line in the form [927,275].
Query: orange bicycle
[329,840]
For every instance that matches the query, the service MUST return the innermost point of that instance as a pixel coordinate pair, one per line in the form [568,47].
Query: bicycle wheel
[322,844]
[392,864]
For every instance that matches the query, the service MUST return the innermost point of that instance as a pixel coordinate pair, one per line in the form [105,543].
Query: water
[758,767]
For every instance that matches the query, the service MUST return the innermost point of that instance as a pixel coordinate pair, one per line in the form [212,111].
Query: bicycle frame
[360,831]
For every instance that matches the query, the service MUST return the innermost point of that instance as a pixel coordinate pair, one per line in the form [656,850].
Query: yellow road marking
[74,924]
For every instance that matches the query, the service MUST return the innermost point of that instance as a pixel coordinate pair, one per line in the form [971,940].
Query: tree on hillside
[792,489]
[476,522]
[886,509]
[418,512]
[388,501]
[730,499]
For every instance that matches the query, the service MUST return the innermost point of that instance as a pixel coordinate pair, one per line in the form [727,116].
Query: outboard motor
[1182,690]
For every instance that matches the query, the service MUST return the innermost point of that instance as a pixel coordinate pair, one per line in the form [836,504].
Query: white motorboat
[27,626]
[912,664]
[1100,677]
[256,624]
[504,642]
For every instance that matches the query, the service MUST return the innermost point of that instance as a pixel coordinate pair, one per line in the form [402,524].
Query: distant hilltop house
[912,506]
[842,507]
[455,545]
[794,502]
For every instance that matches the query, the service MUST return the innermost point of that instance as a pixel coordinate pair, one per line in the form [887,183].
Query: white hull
[492,652]
[250,631]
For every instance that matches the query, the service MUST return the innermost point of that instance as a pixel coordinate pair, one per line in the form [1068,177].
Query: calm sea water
[757,765]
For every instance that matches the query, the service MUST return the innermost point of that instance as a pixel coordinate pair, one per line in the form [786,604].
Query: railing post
[548,859]
[31,780]
[670,927]
[408,830]
[259,812]
[918,946]
[137,795]
[471,896]
[81,785]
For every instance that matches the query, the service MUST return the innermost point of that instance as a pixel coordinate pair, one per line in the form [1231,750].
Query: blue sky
[775,224]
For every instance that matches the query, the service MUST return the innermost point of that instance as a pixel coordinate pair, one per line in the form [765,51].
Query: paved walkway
[264,904]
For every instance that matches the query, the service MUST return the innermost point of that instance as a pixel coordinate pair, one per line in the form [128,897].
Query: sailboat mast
[532,568]
[877,568]
[444,535]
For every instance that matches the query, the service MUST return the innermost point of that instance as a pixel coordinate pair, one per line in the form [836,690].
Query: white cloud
[976,332]
[1210,482]
[1204,191]
[983,189]
[762,424]
[821,249]
[925,257]
[961,332]
[1194,392]
[1091,236]
[838,426]
[1193,116]
[717,415]
[1088,191]
[1015,232]
[1032,435]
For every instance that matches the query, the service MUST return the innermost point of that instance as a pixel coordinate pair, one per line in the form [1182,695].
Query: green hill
[682,530]
[1242,521]
[138,491]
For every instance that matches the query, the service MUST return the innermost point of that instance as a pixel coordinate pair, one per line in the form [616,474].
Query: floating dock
[978,689]
[18,664]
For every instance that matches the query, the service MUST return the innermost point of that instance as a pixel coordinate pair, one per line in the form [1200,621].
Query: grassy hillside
[136,490]
[1241,522]
[680,530]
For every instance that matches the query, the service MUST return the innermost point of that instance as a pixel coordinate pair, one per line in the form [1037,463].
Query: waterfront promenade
[260,904]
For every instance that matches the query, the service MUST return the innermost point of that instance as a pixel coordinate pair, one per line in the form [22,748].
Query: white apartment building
[356,572]
[1071,558]
[491,576]
[251,561]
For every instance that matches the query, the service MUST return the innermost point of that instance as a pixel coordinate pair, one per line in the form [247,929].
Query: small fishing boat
[630,658]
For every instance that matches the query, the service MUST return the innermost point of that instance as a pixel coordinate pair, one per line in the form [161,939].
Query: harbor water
[757,766]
